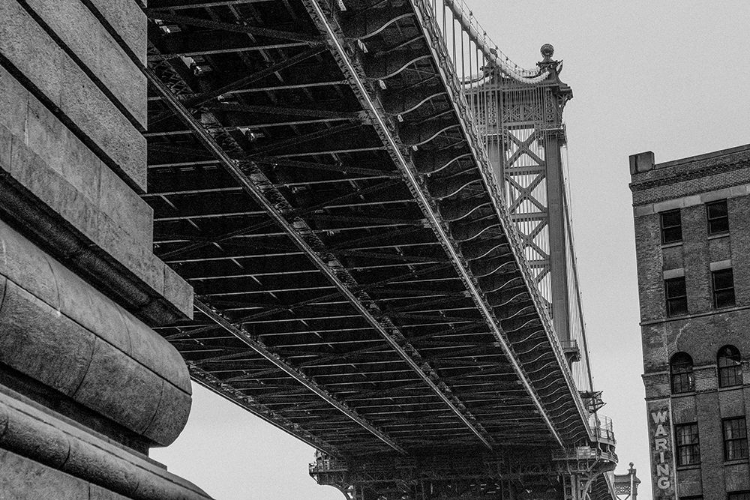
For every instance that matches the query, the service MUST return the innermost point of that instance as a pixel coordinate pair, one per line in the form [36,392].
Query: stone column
[86,386]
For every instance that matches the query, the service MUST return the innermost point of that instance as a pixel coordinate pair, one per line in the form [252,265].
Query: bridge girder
[369,267]
[335,272]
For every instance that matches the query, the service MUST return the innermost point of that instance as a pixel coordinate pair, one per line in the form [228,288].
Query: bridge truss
[317,176]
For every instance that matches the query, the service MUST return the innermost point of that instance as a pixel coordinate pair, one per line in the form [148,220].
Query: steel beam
[192,4]
[376,116]
[238,84]
[207,380]
[232,27]
[296,374]
[322,258]
[292,213]
[285,111]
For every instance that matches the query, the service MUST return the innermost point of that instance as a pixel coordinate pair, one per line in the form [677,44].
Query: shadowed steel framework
[317,176]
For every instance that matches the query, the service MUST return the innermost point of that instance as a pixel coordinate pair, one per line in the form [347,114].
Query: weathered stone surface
[64,333]
[133,252]
[14,104]
[167,424]
[86,217]
[48,159]
[39,61]
[99,493]
[117,386]
[176,290]
[86,456]
[57,147]
[93,311]
[21,264]
[126,208]
[100,467]
[38,341]
[50,187]
[128,20]
[41,140]
[147,347]
[82,33]
[4,419]
[84,103]
[33,437]
[24,479]
[6,138]
[59,79]
[137,258]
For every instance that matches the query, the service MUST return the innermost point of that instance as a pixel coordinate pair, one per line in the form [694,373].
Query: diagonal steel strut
[238,28]
[324,260]
[209,381]
[408,171]
[293,372]
[215,316]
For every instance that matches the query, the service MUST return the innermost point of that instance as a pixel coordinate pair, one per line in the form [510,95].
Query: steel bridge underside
[316,178]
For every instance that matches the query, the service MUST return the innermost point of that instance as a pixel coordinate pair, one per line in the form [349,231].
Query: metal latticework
[317,176]
[518,115]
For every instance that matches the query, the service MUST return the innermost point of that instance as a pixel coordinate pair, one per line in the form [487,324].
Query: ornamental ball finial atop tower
[547,51]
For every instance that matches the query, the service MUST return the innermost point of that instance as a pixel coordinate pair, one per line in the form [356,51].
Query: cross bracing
[358,283]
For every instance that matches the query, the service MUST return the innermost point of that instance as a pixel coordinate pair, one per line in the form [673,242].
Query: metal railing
[602,426]
[584,453]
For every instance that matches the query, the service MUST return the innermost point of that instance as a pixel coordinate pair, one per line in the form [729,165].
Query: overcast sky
[664,76]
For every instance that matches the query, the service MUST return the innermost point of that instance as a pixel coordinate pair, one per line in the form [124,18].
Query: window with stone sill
[681,373]
[717,216]
[688,450]
[735,438]
[729,362]
[722,283]
[676,296]
[671,226]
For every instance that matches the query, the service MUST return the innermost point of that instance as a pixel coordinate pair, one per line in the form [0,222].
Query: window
[717,217]
[723,286]
[739,495]
[671,226]
[688,449]
[735,438]
[681,370]
[676,295]
[729,362]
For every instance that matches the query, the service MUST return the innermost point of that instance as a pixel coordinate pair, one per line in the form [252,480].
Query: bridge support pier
[577,487]
[86,386]
[465,477]
[530,474]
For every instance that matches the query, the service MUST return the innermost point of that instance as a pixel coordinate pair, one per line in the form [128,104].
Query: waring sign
[662,464]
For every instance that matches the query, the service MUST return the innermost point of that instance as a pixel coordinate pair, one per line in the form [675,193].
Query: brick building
[692,229]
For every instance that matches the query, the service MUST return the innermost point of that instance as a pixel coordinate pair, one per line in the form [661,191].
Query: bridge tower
[626,485]
[522,127]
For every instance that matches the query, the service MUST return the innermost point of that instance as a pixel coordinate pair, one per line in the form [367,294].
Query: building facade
[692,230]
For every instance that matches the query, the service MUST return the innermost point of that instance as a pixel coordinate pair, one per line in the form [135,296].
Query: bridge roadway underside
[316,179]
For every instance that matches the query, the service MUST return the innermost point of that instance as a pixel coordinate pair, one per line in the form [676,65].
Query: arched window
[730,366]
[681,370]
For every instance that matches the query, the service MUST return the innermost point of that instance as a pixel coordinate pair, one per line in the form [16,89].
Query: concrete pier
[86,386]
